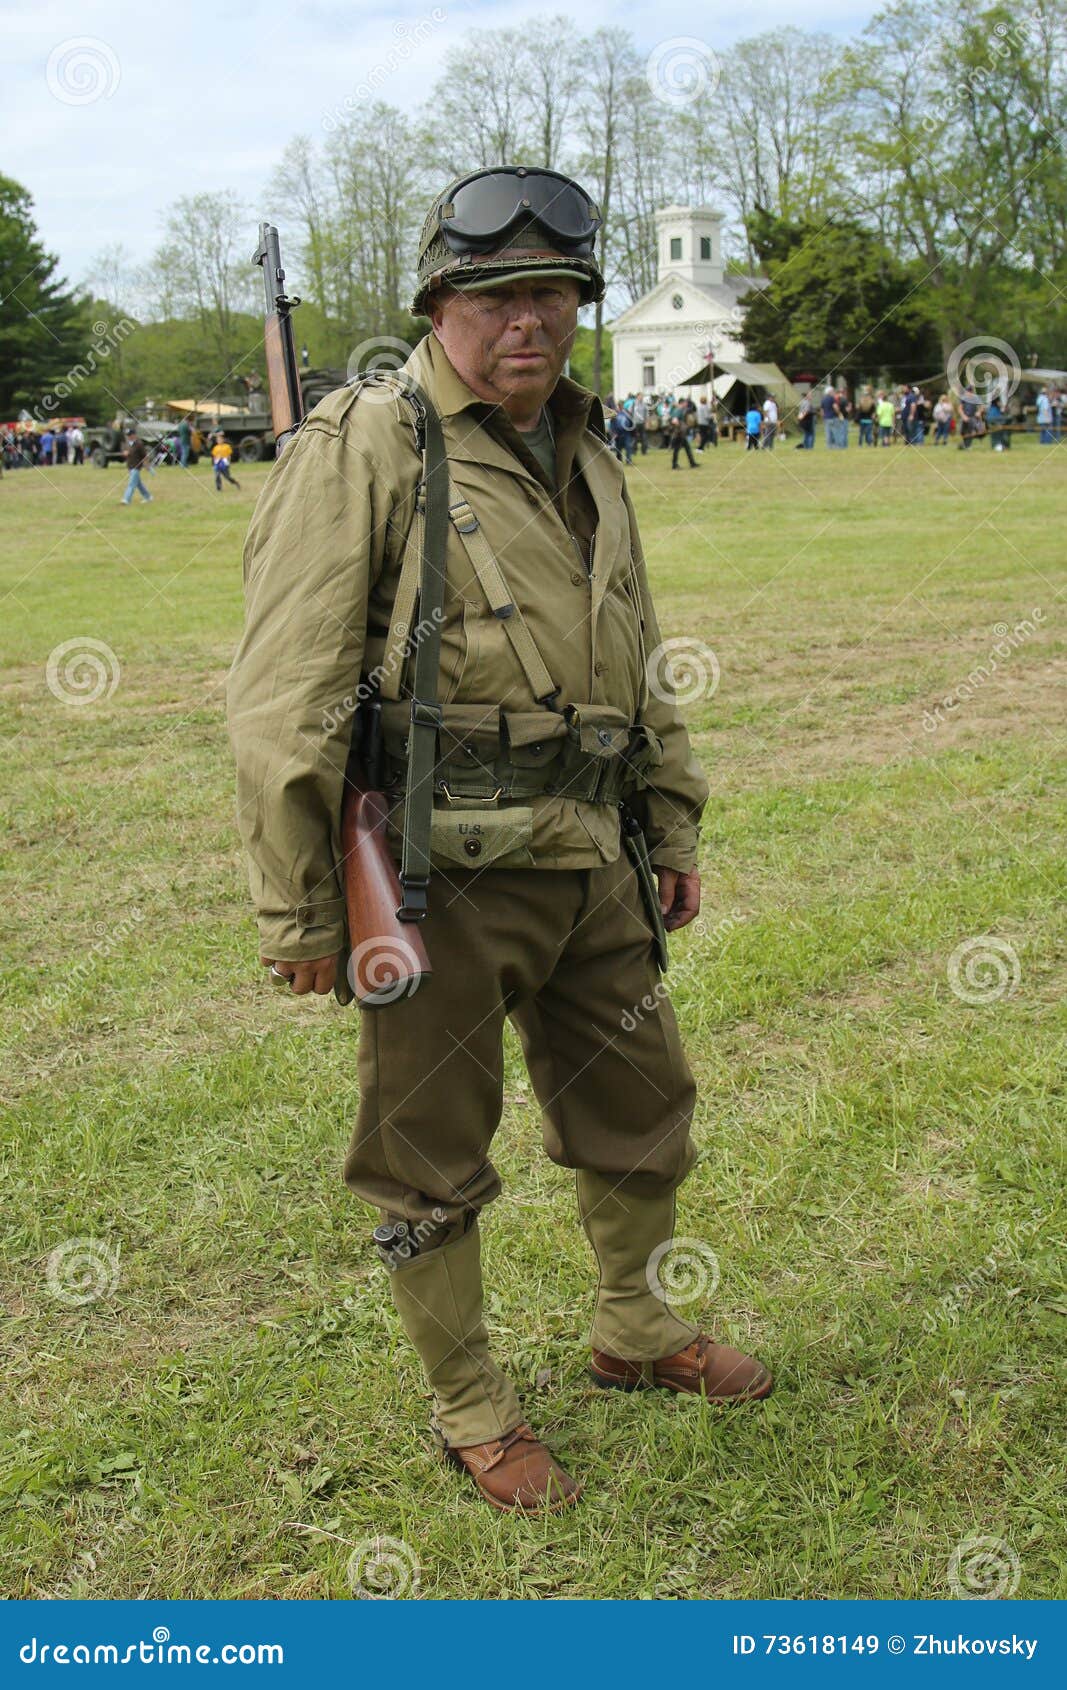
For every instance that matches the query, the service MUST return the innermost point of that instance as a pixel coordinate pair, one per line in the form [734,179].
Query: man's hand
[679,896]
[306,976]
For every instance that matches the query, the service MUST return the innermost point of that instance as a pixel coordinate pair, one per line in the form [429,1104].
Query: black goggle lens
[486,208]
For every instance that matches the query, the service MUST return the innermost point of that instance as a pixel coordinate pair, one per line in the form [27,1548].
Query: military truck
[249,427]
[107,445]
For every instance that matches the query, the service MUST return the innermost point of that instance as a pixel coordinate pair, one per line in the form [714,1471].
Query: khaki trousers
[567,954]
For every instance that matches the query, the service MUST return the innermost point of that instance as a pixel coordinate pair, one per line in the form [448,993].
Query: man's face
[509,343]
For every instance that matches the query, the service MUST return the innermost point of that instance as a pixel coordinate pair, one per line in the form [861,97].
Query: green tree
[44,328]
[203,272]
[957,114]
[581,364]
[780,106]
[350,218]
[838,302]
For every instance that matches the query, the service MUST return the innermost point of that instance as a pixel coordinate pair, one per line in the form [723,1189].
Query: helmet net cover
[438,264]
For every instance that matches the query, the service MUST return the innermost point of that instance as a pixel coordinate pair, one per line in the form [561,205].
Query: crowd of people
[677,424]
[26,448]
[911,416]
[870,416]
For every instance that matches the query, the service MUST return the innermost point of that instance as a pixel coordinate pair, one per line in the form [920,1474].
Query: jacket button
[600,668]
[576,578]
[472,847]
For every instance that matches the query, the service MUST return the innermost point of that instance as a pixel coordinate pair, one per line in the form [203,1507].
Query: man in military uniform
[550,741]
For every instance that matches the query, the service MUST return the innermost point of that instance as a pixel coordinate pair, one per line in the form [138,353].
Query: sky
[112,111]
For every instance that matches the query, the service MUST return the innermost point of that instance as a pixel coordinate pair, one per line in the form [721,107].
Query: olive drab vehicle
[248,426]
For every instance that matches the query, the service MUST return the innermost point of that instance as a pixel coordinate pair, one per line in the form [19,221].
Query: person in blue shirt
[995,419]
[622,435]
[753,421]
[1044,417]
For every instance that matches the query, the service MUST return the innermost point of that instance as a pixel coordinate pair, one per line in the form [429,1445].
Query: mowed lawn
[205,1391]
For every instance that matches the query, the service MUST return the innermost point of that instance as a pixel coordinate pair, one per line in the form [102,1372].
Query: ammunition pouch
[476,837]
[586,752]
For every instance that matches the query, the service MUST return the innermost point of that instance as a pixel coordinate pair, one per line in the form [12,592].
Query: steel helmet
[545,223]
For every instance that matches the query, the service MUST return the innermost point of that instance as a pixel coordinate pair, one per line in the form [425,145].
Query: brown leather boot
[701,1369]
[517,1472]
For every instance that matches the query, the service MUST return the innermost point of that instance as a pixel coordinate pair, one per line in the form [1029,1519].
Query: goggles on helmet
[485,206]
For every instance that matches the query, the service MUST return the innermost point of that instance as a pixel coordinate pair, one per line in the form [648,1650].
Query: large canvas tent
[756,380]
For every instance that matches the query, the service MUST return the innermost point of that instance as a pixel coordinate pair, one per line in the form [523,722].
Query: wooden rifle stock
[387,956]
[284,413]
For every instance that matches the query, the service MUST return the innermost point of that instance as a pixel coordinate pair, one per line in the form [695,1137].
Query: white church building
[690,316]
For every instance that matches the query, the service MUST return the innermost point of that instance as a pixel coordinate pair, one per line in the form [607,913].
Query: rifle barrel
[286,397]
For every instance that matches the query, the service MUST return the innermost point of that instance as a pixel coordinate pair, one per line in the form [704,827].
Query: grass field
[881,1119]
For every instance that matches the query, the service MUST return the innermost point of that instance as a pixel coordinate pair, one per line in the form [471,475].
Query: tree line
[903,190]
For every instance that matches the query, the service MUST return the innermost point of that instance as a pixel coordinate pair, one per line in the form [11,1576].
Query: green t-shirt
[541,441]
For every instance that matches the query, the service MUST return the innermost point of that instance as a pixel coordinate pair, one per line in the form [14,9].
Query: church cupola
[689,243]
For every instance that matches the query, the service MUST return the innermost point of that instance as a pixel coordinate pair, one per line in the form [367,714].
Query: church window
[676,246]
[705,246]
[677,301]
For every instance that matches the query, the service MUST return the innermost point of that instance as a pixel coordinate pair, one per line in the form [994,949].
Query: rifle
[387,958]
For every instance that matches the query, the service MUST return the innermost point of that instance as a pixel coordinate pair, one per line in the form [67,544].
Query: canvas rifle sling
[425,709]
[426,546]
